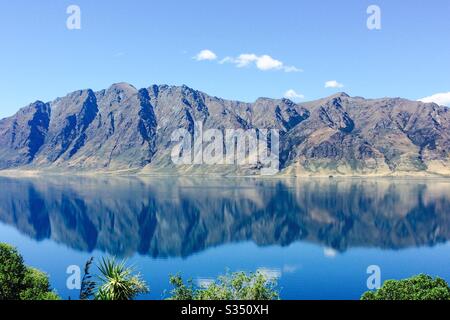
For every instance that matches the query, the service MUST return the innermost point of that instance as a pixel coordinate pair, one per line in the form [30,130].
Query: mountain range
[125,129]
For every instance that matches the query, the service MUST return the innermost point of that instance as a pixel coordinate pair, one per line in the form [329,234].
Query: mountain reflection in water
[176,217]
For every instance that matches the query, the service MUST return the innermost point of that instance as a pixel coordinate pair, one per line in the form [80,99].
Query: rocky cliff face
[23,135]
[123,128]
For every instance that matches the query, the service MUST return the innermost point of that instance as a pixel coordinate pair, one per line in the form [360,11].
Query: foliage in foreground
[115,281]
[421,287]
[19,282]
[232,286]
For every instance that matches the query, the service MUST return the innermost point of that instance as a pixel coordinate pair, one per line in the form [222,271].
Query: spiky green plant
[118,282]
[87,284]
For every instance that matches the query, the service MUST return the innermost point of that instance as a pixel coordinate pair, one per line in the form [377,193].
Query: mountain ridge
[125,128]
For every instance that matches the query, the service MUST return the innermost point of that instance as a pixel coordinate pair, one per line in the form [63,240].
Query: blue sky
[147,42]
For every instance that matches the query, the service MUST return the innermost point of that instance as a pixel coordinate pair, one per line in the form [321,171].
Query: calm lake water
[317,236]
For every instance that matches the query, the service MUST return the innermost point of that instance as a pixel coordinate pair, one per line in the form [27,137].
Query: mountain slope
[123,128]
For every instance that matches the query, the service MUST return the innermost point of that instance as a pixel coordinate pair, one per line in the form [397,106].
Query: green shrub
[19,282]
[421,287]
[12,272]
[234,286]
[36,286]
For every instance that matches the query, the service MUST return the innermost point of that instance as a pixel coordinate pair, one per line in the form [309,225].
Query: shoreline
[28,173]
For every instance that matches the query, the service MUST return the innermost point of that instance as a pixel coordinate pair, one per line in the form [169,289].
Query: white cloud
[205,55]
[333,84]
[204,282]
[329,252]
[292,69]
[270,274]
[442,99]
[263,62]
[266,62]
[226,60]
[293,95]
[244,59]
[290,268]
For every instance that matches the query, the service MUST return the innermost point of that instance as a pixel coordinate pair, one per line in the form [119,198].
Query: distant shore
[25,173]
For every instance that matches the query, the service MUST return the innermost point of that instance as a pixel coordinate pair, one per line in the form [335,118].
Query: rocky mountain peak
[125,128]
